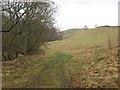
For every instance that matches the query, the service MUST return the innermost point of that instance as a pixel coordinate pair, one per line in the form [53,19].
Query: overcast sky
[77,13]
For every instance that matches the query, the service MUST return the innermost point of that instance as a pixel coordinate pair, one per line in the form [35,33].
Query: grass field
[86,58]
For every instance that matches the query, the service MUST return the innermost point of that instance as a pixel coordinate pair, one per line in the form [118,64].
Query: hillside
[70,32]
[87,58]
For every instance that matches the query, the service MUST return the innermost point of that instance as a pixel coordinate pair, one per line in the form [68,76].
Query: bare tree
[26,26]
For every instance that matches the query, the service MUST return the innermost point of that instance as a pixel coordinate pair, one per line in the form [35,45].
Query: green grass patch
[55,68]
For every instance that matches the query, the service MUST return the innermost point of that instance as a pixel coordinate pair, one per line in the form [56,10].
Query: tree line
[26,26]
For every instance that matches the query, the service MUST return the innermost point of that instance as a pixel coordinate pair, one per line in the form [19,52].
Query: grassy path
[52,74]
[93,65]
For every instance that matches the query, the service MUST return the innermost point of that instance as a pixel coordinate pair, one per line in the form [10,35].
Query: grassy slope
[69,32]
[82,60]
[87,39]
